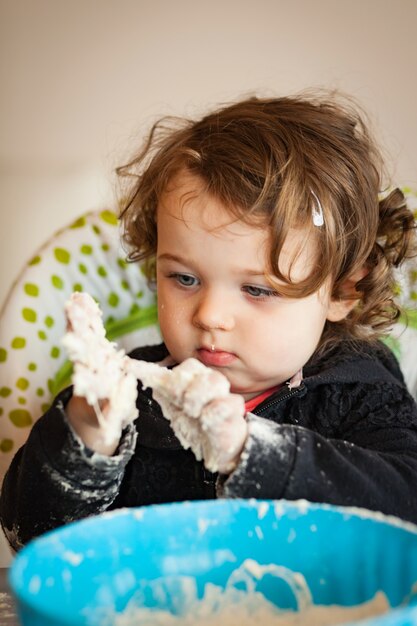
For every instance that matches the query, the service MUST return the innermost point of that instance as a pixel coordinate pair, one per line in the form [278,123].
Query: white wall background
[82,80]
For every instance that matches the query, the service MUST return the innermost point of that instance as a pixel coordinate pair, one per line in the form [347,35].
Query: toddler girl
[272,249]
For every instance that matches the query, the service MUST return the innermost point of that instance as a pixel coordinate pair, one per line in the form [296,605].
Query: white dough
[240,603]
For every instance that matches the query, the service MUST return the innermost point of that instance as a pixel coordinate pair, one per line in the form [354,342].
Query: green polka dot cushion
[85,256]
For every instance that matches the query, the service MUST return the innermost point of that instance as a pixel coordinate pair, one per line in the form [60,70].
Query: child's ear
[339,308]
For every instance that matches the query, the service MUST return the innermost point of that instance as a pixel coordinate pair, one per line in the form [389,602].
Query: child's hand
[204,415]
[105,390]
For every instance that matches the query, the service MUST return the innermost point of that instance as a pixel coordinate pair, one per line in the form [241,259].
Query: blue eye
[259,292]
[185,280]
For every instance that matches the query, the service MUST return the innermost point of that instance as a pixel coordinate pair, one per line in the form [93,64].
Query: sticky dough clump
[101,372]
[184,395]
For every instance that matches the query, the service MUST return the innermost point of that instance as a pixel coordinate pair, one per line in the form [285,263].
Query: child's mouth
[217,358]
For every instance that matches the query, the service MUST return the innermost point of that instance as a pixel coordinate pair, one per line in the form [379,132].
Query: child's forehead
[186,201]
[186,197]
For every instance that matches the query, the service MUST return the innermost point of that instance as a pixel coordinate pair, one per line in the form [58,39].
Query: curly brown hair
[267,159]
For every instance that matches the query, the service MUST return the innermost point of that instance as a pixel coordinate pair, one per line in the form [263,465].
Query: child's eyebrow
[170,257]
[239,270]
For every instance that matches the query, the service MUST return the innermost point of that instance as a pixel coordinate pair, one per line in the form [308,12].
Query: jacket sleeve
[371,462]
[54,478]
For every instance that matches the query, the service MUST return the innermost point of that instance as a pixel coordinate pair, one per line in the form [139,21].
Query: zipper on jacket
[282,395]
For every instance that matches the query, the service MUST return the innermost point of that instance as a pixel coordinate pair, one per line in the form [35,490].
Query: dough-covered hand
[101,372]
[203,413]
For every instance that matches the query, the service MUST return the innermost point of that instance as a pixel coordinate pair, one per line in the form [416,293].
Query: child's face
[214,301]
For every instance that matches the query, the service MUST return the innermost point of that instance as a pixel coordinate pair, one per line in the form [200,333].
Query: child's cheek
[172,322]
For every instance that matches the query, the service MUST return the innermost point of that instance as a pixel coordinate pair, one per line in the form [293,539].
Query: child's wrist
[83,420]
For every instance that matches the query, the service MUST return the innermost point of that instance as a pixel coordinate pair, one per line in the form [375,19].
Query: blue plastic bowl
[91,572]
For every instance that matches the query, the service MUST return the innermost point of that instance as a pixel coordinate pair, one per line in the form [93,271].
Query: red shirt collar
[295,381]
[253,402]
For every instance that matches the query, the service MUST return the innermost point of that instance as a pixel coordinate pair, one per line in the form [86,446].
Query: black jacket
[346,436]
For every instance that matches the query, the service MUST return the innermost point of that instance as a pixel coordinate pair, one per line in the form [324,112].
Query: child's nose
[214,312]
